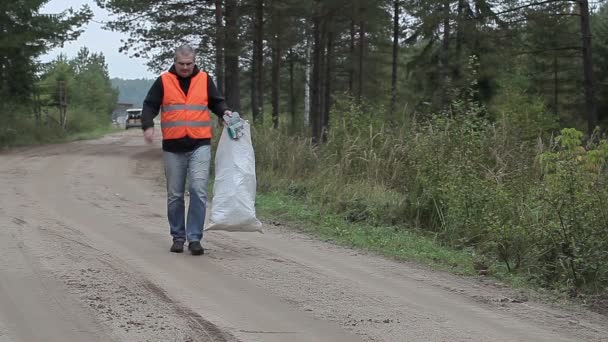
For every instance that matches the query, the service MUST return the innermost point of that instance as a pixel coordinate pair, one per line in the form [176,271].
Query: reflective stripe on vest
[183,107]
[185,123]
[185,115]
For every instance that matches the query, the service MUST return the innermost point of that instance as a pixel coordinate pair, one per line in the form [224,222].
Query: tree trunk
[395,60]
[590,102]
[460,33]
[315,96]
[351,66]
[3,78]
[555,88]
[445,56]
[307,85]
[322,63]
[233,97]
[254,92]
[328,78]
[63,104]
[276,80]
[257,72]
[459,25]
[276,62]
[361,54]
[4,88]
[292,92]
[219,47]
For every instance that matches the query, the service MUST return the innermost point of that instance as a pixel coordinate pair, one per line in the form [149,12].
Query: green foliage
[465,180]
[553,62]
[92,88]
[391,241]
[542,41]
[599,28]
[87,94]
[25,34]
[573,243]
[57,72]
[288,160]
[8,133]
[445,36]
[520,108]
[90,97]
[156,27]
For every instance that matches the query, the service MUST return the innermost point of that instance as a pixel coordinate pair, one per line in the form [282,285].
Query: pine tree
[25,34]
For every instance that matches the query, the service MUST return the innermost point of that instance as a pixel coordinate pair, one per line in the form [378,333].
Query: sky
[98,40]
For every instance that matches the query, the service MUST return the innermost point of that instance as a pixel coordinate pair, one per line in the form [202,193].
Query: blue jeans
[195,165]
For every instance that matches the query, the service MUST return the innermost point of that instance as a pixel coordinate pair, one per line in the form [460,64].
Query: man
[185,95]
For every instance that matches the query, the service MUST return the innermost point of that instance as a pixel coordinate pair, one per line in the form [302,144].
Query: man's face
[184,65]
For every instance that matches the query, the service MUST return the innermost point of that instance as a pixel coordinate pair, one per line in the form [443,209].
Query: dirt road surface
[84,257]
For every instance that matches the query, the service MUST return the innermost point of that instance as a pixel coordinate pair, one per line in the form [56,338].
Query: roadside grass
[43,136]
[395,242]
[390,241]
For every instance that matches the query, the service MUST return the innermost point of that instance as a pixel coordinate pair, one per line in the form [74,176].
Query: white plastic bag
[233,203]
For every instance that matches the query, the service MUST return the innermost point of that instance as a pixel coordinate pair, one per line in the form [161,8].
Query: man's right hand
[149,135]
[228,113]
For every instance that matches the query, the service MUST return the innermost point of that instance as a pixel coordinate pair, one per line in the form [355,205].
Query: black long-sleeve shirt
[154,99]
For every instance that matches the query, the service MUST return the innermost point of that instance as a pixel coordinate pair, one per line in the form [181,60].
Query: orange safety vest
[183,115]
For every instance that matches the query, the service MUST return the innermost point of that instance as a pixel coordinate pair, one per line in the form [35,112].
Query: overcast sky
[98,40]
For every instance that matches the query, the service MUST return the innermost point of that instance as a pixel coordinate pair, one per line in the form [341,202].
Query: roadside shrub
[525,204]
[573,240]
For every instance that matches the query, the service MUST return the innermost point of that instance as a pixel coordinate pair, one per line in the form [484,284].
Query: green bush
[573,244]
[524,204]
[82,119]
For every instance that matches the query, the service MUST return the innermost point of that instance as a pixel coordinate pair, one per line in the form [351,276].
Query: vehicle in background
[133,118]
